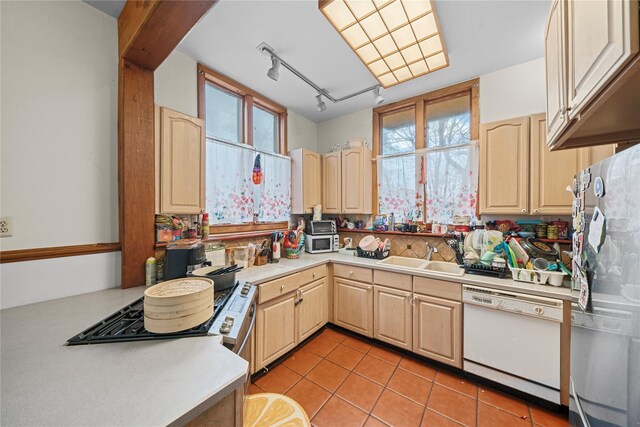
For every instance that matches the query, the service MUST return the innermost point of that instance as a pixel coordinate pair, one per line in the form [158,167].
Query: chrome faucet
[430,250]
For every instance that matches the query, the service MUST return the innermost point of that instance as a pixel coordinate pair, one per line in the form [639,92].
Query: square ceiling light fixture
[398,40]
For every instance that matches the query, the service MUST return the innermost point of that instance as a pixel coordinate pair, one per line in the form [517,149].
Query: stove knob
[244,291]
[229,320]
[225,328]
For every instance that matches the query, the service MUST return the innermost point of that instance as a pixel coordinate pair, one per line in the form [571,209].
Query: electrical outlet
[5,227]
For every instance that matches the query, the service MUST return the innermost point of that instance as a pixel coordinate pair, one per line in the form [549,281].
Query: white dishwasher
[513,339]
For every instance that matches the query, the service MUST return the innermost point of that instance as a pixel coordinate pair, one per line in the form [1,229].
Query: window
[245,132]
[428,172]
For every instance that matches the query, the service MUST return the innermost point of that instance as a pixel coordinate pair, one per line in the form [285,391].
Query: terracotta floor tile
[254,389]
[452,404]
[545,418]
[357,344]
[375,369]
[309,395]
[490,416]
[320,346]
[345,356]
[385,354]
[410,385]
[336,412]
[418,368]
[434,419]
[503,401]
[333,335]
[328,375]
[278,380]
[397,411]
[360,391]
[457,383]
[302,361]
[374,422]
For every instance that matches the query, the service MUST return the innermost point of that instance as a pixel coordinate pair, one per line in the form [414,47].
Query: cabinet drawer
[278,287]
[392,280]
[314,273]
[437,288]
[353,273]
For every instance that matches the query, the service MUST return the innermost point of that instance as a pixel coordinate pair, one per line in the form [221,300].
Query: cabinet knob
[313,275]
[536,210]
[281,288]
[351,273]
[524,211]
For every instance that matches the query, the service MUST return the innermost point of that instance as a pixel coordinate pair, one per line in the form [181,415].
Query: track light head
[377,98]
[321,105]
[273,72]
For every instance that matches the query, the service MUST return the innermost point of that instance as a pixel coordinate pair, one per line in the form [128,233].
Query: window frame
[249,98]
[419,102]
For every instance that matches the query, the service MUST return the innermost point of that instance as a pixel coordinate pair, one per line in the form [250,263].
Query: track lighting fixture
[321,105]
[273,72]
[377,98]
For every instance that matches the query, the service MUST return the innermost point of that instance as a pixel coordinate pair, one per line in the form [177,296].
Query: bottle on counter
[150,272]
[205,226]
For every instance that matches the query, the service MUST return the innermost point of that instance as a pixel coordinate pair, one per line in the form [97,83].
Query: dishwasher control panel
[541,307]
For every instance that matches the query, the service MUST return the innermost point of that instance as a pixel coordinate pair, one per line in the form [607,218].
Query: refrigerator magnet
[582,200]
[583,299]
[598,187]
[596,229]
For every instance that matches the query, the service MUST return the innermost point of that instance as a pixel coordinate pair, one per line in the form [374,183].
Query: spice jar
[552,232]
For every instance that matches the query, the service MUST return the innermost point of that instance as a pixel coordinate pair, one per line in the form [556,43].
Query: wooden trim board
[57,252]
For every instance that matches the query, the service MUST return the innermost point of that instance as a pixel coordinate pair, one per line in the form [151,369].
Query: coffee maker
[182,260]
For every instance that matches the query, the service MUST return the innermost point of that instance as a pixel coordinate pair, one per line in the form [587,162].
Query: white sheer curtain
[273,196]
[452,182]
[229,187]
[400,189]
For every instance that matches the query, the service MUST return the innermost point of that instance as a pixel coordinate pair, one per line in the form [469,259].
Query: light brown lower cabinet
[437,329]
[393,318]
[353,306]
[276,332]
[313,310]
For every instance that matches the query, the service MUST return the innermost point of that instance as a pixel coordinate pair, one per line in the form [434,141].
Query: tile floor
[342,381]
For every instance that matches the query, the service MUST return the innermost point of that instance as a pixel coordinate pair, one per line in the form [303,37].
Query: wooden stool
[268,409]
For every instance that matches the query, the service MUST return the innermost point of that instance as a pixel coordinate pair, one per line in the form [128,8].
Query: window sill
[393,233]
[230,236]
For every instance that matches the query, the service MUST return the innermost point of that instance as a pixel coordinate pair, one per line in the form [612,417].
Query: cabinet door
[182,163]
[504,167]
[331,187]
[392,316]
[275,329]
[312,308]
[554,45]
[591,155]
[312,180]
[602,35]
[353,306]
[551,172]
[437,329]
[352,184]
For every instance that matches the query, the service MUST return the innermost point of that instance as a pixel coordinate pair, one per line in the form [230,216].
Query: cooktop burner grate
[127,324]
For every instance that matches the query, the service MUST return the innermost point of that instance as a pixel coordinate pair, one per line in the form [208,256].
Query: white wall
[58,146]
[59,124]
[344,128]
[175,84]
[301,132]
[514,91]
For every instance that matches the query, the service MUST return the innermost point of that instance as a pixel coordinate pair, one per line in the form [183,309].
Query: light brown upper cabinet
[347,181]
[181,146]
[506,151]
[504,166]
[306,180]
[593,72]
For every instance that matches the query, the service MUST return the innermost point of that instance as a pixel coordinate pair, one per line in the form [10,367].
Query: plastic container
[538,277]
[241,256]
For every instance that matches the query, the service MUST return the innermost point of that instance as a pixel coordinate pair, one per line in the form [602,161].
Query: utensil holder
[260,260]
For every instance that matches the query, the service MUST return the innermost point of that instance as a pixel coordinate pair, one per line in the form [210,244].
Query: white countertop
[257,275]
[144,383]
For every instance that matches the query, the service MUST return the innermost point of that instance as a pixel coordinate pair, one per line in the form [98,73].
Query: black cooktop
[127,324]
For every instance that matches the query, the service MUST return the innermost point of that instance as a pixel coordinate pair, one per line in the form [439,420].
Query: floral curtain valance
[231,195]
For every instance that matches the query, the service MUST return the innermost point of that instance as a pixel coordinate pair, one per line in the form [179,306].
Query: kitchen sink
[443,268]
[400,261]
